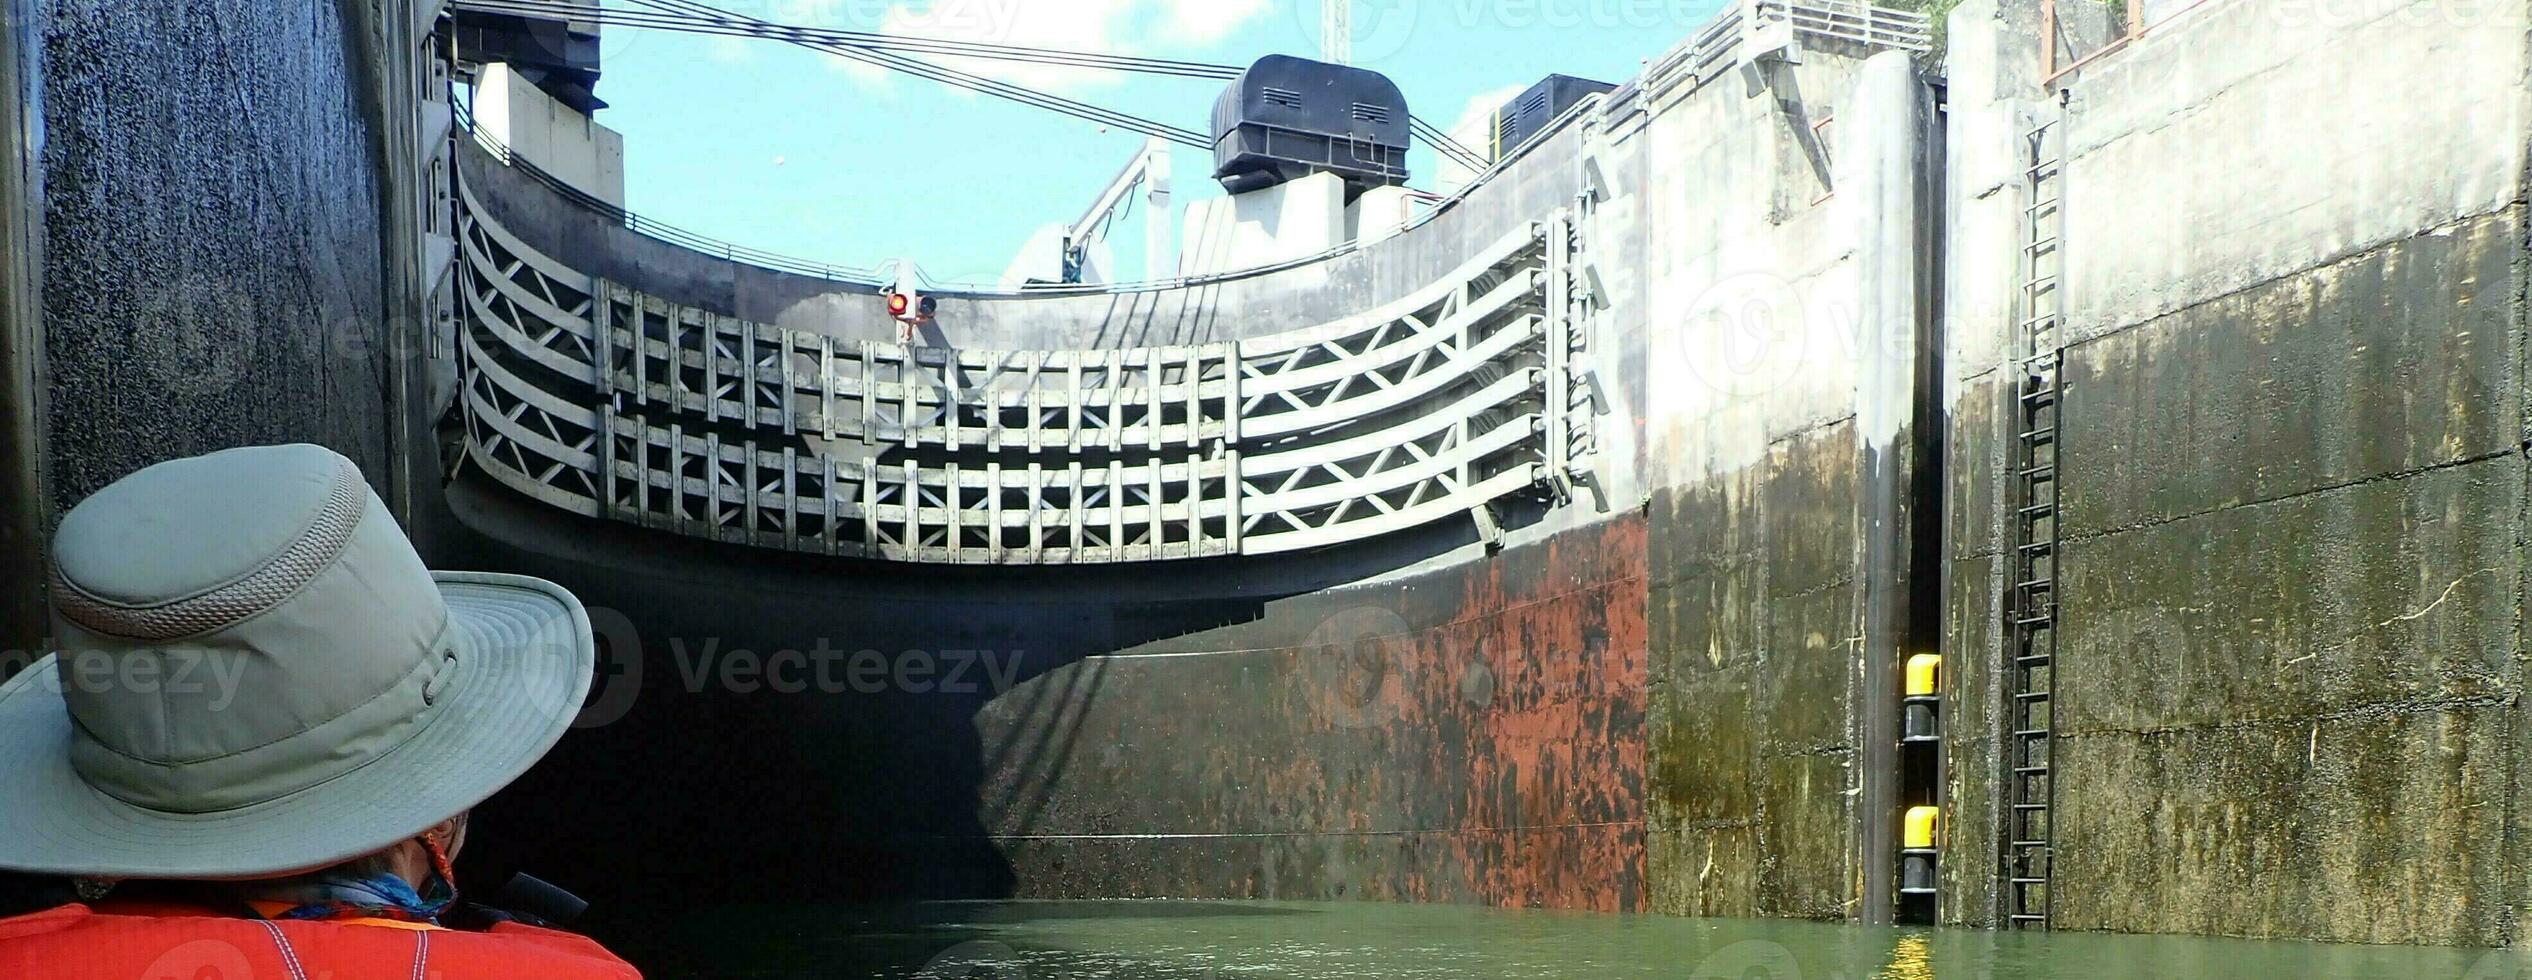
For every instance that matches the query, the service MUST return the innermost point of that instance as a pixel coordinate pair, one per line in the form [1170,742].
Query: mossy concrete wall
[2289,667]
[1775,361]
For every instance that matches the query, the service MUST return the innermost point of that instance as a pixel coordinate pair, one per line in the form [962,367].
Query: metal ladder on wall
[2031,597]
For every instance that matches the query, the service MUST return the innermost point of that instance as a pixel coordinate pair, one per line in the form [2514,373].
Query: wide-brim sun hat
[254,674]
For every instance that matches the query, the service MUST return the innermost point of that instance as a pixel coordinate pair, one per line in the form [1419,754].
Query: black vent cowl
[1286,117]
[1528,114]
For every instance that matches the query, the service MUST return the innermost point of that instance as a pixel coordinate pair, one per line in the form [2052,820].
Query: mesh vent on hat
[275,580]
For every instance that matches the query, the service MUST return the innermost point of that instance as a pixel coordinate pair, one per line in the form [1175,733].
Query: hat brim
[527,657]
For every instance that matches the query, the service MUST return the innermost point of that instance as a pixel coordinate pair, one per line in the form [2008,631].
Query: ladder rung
[2042,473]
[2037,546]
[2032,658]
[2031,696]
[2036,510]
[2035,321]
[2034,620]
[2040,205]
[2027,770]
[2030,807]
[2040,283]
[2030,843]
[2041,245]
[2040,436]
[2029,732]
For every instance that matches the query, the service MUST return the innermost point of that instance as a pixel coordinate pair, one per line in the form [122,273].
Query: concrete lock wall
[1754,297]
[215,263]
[2289,660]
[204,259]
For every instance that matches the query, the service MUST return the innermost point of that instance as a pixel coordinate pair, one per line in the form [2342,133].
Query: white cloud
[1203,22]
[1475,124]
[861,72]
[730,50]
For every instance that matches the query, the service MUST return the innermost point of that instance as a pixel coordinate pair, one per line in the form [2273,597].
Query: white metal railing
[607,402]
[1746,29]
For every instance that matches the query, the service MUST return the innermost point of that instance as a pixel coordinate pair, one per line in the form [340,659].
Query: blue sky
[790,150]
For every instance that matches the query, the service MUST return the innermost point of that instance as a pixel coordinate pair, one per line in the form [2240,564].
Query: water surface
[1175,940]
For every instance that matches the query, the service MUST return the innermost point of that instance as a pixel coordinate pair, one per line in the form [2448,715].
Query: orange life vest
[127,940]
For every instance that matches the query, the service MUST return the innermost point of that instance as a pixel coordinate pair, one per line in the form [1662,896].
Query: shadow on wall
[775,728]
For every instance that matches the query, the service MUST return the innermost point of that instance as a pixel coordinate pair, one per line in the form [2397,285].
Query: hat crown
[199,527]
[240,626]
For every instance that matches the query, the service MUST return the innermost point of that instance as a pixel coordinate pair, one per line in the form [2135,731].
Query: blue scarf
[338,894]
[333,896]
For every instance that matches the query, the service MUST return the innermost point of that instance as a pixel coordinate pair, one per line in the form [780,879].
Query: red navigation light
[897,304]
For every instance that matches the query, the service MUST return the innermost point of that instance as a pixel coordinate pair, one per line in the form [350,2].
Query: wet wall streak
[212,263]
[1753,631]
[1469,735]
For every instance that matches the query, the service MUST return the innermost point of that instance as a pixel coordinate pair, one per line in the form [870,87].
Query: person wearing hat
[260,730]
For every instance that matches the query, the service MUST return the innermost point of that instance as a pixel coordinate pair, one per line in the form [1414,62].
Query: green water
[1133,940]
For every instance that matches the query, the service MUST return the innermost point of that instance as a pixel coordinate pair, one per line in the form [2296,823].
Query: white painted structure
[1292,220]
[560,140]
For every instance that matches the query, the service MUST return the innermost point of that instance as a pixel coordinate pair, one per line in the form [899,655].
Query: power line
[951,76]
[1444,144]
[699,18]
[718,24]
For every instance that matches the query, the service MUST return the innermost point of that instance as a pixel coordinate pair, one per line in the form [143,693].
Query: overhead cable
[705,19]
[880,49]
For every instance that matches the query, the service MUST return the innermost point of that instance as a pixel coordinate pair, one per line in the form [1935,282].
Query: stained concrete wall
[213,256]
[1222,728]
[1781,280]
[2289,666]
[1468,735]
